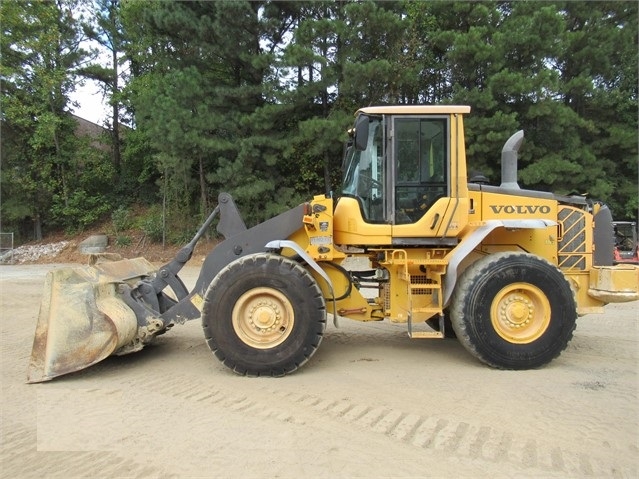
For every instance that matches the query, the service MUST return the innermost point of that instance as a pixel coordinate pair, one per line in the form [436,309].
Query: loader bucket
[82,319]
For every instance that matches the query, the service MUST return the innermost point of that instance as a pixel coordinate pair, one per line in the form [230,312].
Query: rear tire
[513,311]
[263,315]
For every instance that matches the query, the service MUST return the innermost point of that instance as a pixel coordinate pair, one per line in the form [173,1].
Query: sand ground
[371,403]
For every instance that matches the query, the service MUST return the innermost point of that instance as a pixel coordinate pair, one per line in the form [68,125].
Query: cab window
[421,175]
[365,174]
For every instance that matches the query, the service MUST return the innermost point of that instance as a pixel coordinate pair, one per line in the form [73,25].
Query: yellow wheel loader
[505,270]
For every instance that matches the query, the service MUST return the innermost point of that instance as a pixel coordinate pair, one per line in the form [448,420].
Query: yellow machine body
[417,267]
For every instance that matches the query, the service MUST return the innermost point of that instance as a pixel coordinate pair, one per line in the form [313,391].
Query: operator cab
[418,164]
[397,167]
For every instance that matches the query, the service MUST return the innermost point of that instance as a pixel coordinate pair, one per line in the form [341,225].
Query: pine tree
[599,65]
[106,30]
[197,79]
[48,176]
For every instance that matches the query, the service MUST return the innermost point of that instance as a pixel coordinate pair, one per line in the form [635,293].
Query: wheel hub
[516,311]
[263,318]
[520,313]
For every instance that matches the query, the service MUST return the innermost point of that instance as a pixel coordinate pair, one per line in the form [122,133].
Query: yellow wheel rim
[263,318]
[520,313]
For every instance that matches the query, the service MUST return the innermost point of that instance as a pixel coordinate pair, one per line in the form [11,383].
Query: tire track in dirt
[175,376]
[21,459]
[460,439]
[452,438]
[601,346]
[442,435]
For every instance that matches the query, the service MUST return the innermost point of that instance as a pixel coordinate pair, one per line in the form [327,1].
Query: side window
[370,188]
[408,147]
[420,166]
[365,174]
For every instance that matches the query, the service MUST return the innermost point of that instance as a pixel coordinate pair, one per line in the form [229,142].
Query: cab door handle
[435,220]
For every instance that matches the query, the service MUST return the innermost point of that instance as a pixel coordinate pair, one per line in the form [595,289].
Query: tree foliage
[254,98]
[48,174]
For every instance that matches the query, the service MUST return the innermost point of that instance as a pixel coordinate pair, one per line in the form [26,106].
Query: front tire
[513,311]
[263,315]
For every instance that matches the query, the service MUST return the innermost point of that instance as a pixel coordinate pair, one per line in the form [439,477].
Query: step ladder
[429,311]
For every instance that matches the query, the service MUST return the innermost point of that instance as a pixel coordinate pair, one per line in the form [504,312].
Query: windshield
[364,174]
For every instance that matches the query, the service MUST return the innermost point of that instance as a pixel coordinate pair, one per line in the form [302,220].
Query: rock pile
[30,253]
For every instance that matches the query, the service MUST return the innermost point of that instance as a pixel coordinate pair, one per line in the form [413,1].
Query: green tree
[564,72]
[528,86]
[455,43]
[342,55]
[599,65]
[106,31]
[44,166]
[310,91]
[196,81]
[254,98]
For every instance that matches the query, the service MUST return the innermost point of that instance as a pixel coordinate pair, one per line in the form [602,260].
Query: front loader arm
[239,241]
[167,275]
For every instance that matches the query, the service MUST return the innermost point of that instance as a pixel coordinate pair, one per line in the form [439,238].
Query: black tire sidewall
[485,281]
[278,273]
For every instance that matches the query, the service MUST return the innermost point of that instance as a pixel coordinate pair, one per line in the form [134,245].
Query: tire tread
[463,324]
[298,277]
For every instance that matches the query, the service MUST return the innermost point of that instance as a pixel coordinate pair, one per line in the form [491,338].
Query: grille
[572,246]
[419,280]
[386,295]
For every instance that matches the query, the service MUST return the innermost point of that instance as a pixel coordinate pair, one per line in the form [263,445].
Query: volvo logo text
[520,209]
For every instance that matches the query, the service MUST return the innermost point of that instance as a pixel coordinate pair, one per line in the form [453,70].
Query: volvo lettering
[521,209]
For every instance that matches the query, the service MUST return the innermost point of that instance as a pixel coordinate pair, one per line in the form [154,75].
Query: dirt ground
[371,403]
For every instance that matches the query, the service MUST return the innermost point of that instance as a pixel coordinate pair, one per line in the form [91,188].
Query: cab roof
[414,109]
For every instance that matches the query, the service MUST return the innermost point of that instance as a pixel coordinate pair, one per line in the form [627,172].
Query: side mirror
[361,132]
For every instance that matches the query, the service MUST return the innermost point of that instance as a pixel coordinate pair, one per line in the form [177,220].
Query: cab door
[423,204]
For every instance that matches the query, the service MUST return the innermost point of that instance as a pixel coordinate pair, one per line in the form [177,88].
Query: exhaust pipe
[509,161]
